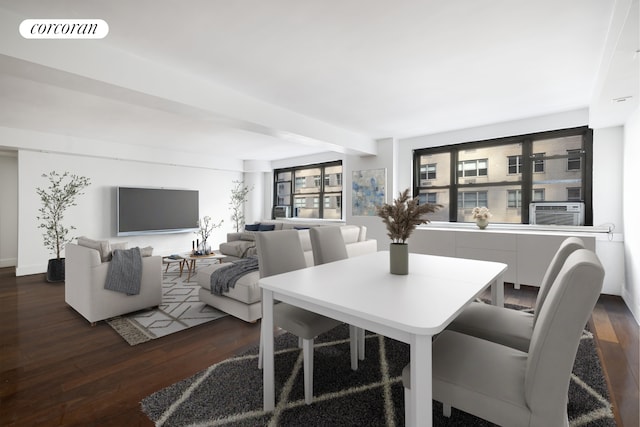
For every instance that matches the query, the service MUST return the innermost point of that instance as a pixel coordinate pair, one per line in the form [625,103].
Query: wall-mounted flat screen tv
[156,210]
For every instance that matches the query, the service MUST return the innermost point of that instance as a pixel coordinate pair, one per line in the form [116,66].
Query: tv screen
[156,210]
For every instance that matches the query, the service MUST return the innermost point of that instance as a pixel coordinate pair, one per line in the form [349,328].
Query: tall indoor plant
[401,218]
[239,194]
[56,199]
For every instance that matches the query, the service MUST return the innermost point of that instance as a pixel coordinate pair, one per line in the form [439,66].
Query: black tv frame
[159,210]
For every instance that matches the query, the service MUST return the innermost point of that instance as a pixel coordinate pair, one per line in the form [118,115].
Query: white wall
[8,209]
[94,215]
[630,212]
[387,160]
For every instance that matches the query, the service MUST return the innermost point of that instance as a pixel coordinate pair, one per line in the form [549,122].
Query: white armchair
[85,276]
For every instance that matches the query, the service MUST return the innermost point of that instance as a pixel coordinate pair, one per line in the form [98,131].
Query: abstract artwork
[368,191]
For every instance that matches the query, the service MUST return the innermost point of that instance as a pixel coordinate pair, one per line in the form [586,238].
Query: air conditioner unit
[556,213]
[281,212]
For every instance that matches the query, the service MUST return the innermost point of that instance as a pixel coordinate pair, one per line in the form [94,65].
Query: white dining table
[409,308]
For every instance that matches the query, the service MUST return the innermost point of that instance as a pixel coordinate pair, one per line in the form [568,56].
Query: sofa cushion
[237,248]
[102,246]
[266,227]
[251,227]
[246,289]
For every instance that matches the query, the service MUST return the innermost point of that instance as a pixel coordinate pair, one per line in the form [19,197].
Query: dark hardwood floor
[56,369]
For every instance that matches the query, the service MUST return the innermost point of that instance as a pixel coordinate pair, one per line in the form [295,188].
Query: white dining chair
[327,244]
[509,387]
[281,252]
[510,327]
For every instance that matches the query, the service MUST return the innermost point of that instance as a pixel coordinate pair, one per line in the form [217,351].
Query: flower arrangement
[481,213]
[206,227]
[402,217]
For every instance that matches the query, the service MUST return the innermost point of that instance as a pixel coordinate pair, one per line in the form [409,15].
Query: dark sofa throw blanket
[125,271]
[224,278]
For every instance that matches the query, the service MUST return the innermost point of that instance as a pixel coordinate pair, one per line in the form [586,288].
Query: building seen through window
[299,190]
[506,175]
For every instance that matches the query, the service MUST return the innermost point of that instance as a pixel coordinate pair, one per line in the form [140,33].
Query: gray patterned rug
[180,309]
[229,393]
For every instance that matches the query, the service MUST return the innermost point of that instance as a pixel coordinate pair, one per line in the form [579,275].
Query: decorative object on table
[481,215]
[206,227]
[56,199]
[239,195]
[368,191]
[401,218]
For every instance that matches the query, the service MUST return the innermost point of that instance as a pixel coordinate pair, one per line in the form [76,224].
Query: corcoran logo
[64,29]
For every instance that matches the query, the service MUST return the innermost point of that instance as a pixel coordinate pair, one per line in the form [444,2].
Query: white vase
[482,223]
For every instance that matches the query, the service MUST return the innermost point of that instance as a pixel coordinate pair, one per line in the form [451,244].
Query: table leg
[191,266]
[421,382]
[497,292]
[268,375]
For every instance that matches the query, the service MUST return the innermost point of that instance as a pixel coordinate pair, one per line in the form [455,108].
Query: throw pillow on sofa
[102,246]
[251,227]
[266,227]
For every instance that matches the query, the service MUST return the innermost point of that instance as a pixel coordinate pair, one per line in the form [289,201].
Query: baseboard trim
[8,262]
[31,269]
[633,307]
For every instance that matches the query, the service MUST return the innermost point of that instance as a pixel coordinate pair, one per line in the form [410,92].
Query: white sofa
[244,301]
[85,276]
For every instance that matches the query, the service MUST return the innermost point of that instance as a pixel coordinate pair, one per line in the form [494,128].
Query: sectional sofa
[244,301]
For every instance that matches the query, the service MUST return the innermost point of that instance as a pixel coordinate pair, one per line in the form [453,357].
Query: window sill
[518,228]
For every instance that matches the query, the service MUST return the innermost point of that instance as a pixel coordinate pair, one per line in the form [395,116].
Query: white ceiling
[370,67]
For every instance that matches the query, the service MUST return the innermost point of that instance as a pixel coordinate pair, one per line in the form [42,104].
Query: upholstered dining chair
[327,244]
[510,327]
[281,252]
[510,387]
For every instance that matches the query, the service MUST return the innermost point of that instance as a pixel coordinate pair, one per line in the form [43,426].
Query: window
[574,160]
[428,171]
[472,168]
[538,195]
[513,199]
[574,194]
[515,164]
[538,163]
[303,188]
[471,199]
[507,174]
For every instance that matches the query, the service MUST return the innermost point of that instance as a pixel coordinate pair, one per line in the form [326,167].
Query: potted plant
[238,198]
[401,218]
[481,215]
[206,227]
[56,199]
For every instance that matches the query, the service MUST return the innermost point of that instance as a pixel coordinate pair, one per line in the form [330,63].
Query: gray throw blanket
[224,278]
[125,271]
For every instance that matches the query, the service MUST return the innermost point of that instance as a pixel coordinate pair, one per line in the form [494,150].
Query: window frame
[528,169]
[319,196]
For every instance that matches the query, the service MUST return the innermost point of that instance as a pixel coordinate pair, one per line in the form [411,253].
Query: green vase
[399,258]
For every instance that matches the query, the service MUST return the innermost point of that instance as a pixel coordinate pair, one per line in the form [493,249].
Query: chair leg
[260,354]
[446,410]
[307,354]
[407,406]
[361,343]
[354,344]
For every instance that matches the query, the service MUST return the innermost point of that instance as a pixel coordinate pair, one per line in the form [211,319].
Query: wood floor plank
[58,370]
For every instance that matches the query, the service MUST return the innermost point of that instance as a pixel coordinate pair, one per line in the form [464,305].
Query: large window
[506,175]
[302,188]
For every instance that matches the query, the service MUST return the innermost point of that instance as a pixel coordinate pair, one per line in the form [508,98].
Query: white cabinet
[526,253]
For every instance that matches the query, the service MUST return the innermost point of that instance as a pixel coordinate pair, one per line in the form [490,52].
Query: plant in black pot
[56,199]
[401,218]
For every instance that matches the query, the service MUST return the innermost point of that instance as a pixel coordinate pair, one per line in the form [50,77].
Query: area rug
[229,393]
[180,309]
